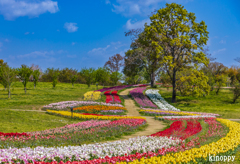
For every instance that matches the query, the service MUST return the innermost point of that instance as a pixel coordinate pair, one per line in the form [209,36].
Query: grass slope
[44,94]
[26,121]
[212,103]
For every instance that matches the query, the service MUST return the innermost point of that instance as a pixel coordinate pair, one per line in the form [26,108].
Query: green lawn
[44,94]
[220,104]
[26,121]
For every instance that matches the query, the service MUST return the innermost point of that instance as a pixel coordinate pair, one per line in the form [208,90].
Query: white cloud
[36,54]
[134,25]
[222,41]
[139,7]
[71,56]
[0,46]
[109,50]
[26,33]
[71,27]
[107,2]
[12,9]
[218,51]
[73,43]
[97,50]
[7,40]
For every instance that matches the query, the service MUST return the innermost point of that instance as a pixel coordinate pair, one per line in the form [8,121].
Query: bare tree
[114,64]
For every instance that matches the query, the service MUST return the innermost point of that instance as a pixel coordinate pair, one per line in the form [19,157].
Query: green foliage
[102,75]
[36,74]
[192,82]
[73,79]
[55,78]
[221,81]
[24,73]
[8,76]
[89,75]
[115,76]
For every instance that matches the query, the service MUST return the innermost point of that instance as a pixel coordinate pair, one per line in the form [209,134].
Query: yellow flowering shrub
[91,95]
[95,117]
[222,146]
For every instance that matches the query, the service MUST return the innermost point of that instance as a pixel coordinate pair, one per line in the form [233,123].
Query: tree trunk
[34,86]
[152,79]
[174,94]
[9,92]
[72,84]
[25,89]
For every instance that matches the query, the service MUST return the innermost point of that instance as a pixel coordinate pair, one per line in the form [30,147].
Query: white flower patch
[84,152]
[65,104]
[179,117]
[159,100]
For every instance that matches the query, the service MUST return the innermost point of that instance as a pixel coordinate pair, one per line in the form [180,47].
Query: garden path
[154,126]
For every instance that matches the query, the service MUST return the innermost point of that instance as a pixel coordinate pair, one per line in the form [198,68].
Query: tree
[24,74]
[174,40]
[36,73]
[192,82]
[88,75]
[2,80]
[215,71]
[143,56]
[8,74]
[114,64]
[115,76]
[55,76]
[73,79]
[102,75]
[175,33]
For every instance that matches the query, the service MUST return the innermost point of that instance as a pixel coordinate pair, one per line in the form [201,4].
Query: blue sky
[77,33]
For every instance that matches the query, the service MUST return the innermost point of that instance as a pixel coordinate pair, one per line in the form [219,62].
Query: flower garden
[190,137]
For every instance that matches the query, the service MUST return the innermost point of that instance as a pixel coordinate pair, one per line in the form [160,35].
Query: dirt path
[153,125]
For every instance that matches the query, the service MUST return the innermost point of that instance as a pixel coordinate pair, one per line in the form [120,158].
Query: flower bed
[224,146]
[89,117]
[91,95]
[114,88]
[74,136]
[142,100]
[64,105]
[98,109]
[90,151]
[159,101]
[116,97]
[176,114]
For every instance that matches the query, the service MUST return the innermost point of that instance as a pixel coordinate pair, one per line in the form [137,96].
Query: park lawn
[26,121]
[212,103]
[43,94]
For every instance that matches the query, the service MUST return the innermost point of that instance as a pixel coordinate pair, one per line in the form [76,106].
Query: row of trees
[107,75]
[9,75]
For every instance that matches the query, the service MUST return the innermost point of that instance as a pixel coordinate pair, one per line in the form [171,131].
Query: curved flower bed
[98,109]
[90,151]
[224,146]
[141,99]
[159,101]
[176,114]
[89,117]
[101,131]
[64,105]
